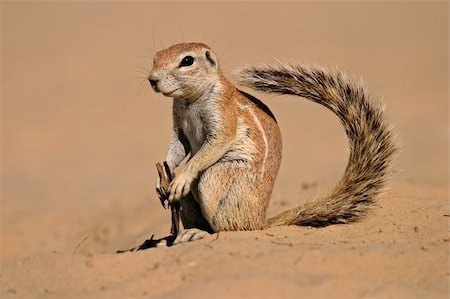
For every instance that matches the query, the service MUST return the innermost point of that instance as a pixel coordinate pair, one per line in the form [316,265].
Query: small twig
[150,243]
[79,244]
[165,177]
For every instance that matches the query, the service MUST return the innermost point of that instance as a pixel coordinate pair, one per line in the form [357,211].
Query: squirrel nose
[153,82]
[153,78]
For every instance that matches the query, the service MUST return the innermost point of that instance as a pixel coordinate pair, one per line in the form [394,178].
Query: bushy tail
[371,139]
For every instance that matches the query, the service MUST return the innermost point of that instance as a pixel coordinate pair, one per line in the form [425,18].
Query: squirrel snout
[154,83]
[153,79]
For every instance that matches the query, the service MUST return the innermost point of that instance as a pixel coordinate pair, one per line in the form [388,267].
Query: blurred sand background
[81,131]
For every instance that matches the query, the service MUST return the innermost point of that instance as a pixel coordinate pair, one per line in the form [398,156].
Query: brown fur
[235,144]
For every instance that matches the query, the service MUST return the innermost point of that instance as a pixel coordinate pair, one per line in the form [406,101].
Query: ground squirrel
[234,142]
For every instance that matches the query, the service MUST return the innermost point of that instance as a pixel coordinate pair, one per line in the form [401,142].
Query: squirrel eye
[186,61]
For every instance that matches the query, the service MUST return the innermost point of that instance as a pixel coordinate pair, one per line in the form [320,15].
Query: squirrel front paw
[180,186]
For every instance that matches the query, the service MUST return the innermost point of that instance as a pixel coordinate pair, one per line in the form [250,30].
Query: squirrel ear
[211,58]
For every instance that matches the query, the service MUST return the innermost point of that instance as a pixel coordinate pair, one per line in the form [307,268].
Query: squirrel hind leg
[190,234]
[228,197]
[191,214]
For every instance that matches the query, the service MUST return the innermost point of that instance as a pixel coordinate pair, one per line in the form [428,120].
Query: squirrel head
[185,71]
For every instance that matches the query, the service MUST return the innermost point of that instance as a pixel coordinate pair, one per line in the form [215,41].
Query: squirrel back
[371,139]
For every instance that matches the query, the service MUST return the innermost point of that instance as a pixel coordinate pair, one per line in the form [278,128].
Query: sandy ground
[81,131]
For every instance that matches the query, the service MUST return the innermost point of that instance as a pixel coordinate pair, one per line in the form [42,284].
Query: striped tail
[371,138]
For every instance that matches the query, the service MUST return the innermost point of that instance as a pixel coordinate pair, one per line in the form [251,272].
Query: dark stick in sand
[163,192]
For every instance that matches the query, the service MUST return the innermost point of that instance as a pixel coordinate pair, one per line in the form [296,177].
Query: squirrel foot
[190,234]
